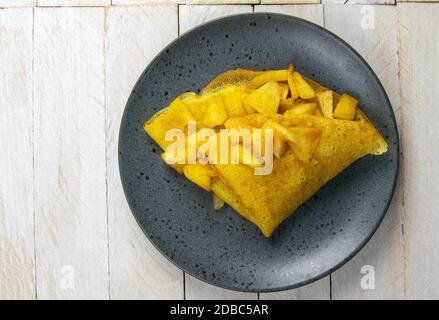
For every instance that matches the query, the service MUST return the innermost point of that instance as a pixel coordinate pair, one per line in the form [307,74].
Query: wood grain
[144,2]
[313,13]
[17,265]
[70,197]
[319,289]
[71,3]
[200,290]
[221,2]
[362,2]
[134,36]
[289,2]
[17,3]
[414,1]
[384,251]
[191,16]
[419,65]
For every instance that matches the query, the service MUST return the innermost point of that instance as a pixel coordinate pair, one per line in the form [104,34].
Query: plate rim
[397,146]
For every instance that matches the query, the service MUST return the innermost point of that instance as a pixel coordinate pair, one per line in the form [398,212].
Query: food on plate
[263,142]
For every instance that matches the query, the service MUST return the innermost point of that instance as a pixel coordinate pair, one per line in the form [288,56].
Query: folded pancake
[267,200]
[313,141]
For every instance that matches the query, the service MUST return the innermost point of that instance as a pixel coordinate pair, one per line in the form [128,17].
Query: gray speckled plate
[221,247]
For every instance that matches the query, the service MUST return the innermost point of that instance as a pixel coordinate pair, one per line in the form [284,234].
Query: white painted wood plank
[419,65]
[427,1]
[289,2]
[364,2]
[200,290]
[17,265]
[320,289]
[134,36]
[191,16]
[17,3]
[325,2]
[72,3]
[222,2]
[70,187]
[149,2]
[313,13]
[384,251]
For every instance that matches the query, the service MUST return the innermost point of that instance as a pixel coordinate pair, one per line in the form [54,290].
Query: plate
[220,247]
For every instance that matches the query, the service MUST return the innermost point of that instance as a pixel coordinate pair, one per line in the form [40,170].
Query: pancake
[314,146]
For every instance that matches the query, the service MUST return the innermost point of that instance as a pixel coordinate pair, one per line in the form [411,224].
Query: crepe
[313,140]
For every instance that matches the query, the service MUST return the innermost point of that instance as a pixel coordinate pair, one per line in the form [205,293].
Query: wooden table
[67,68]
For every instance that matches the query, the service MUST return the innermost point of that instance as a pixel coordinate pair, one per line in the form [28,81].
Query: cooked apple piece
[319,113]
[279,129]
[293,90]
[265,99]
[238,123]
[267,76]
[217,202]
[326,102]
[196,104]
[259,143]
[176,166]
[285,90]
[172,157]
[215,114]
[304,90]
[246,156]
[302,108]
[249,109]
[177,116]
[285,105]
[304,143]
[279,146]
[199,174]
[257,120]
[232,99]
[346,107]
[250,121]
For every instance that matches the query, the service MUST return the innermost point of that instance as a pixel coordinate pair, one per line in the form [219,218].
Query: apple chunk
[279,146]
[285,90]
[304,90]
[216,113]
[268,76]
[232,98]
[326,101]
[302,108]
[293,90]
[346,107]
[199,174]
[265,99]
[304,143]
